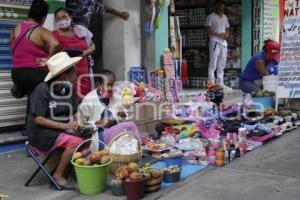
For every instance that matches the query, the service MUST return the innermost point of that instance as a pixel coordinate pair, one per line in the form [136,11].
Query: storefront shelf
[192,27]
[180,7]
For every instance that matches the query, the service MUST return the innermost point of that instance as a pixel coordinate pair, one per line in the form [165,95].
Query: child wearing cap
[262,64]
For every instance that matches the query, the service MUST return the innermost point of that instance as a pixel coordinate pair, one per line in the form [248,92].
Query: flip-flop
[69,185]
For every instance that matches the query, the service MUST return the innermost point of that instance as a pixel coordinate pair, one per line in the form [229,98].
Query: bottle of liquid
[248,100]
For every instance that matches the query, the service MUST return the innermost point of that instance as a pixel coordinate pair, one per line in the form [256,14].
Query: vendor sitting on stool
[262,64]
[52,104]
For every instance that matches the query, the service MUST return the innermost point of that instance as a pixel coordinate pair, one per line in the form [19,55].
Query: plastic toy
[127,97]
[152,14]
[138,75]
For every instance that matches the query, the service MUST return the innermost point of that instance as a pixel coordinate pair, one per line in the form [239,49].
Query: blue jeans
[249,86]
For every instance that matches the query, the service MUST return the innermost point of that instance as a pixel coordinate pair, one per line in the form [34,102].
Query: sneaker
[226,87]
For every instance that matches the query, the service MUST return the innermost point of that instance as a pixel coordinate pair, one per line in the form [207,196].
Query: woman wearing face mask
[103,108]
[75,45]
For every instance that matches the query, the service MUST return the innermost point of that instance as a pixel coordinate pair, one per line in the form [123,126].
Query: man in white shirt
[217,27]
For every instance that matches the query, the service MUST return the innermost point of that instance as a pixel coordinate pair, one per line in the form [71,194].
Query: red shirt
[82,85]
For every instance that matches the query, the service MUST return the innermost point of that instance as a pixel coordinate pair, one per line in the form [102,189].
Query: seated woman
[262,64]
[52,106]
[103,109]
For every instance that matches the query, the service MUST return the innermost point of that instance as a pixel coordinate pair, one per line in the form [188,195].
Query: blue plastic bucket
[262,102]
[173,161]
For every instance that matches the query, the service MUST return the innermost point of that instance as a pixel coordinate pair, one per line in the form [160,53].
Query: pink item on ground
[216,144]
[212,160]
[208,133]
[121,129]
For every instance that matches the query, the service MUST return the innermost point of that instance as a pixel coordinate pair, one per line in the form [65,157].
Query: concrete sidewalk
[269,172]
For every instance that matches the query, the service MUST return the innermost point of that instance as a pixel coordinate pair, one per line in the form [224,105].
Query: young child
[104,109]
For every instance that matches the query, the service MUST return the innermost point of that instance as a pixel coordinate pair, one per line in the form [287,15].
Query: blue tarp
[11,147]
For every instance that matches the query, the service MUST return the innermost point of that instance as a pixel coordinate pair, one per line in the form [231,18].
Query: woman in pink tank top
[29,42]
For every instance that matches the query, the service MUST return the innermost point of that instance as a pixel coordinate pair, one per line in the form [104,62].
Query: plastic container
[220,154]
[270,83]
[135,189]
[220,163]
[117,190]
[92,180]
[262,102]
[178,160]
[171,177]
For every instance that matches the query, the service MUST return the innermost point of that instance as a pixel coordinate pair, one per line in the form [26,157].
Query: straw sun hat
[59,63]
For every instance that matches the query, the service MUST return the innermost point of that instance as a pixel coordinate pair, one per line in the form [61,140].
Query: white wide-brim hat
[59,63]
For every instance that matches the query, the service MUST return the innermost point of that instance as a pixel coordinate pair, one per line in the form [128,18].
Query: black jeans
[27,79]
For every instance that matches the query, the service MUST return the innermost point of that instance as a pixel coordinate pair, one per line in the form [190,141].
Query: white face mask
[65,23]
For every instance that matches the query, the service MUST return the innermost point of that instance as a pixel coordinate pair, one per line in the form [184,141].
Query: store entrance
[192,16]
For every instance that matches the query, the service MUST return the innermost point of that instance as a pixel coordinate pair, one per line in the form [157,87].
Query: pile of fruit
[264,93]
[130,173]
[172,169]
[88,158]
[152,146]
[270,112]
[154,179]
[284,113]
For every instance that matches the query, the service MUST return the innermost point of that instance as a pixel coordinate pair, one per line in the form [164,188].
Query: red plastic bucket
[135,189]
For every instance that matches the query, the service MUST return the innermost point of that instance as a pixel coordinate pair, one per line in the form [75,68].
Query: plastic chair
[33,152]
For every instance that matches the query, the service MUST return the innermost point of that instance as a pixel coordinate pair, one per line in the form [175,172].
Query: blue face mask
[84,2]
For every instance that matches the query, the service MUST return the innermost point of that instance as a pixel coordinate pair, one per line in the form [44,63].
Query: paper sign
[289,70]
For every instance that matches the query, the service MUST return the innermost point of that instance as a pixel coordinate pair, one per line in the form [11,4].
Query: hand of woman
[85,53]
[124,15]
[41,62]
[73,126]
[104,123]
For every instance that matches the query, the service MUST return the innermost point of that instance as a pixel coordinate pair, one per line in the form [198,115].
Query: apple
[87,162]
[77,155]
[133,167]
[105,159]
[85,152]
[104,153]
[94,159]
[125,173]
[79,161]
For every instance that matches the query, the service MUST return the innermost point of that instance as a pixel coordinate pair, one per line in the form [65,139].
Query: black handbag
[73,52]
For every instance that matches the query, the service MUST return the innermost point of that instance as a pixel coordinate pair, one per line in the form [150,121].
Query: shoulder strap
[13,50]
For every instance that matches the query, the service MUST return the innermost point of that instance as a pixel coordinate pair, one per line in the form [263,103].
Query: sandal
[69,185]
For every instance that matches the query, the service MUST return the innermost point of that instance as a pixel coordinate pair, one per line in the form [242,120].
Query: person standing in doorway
[217,27]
